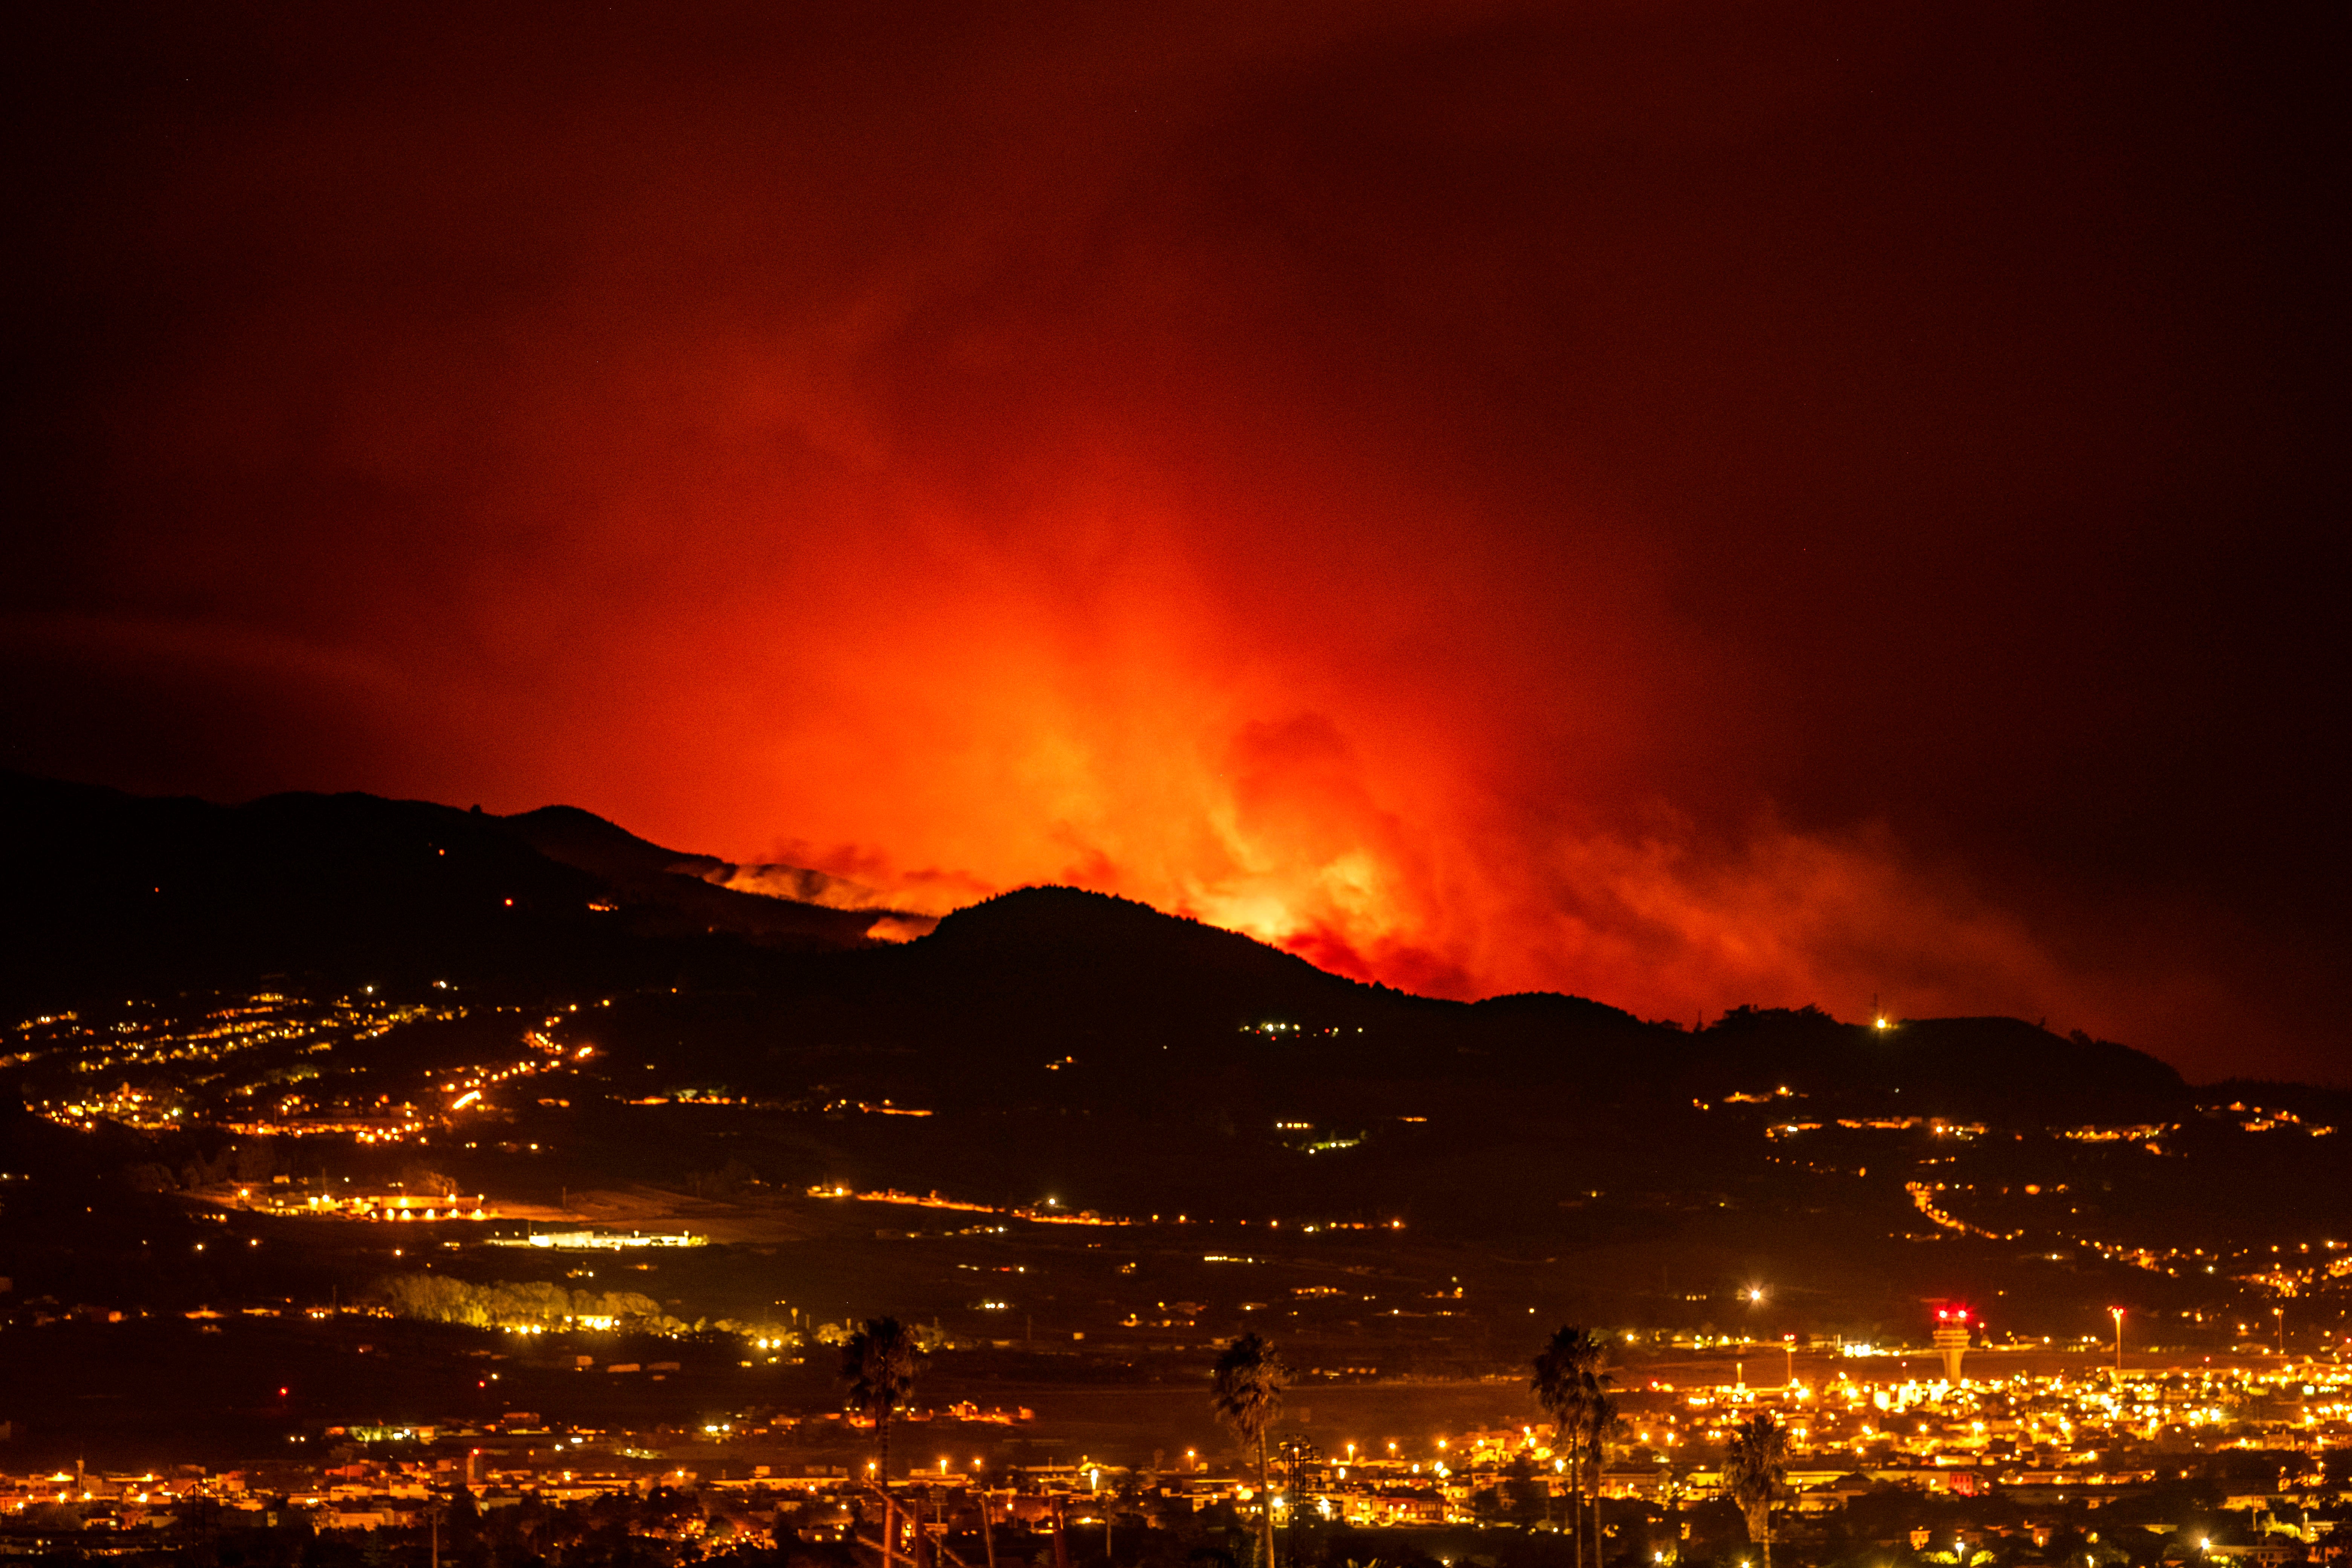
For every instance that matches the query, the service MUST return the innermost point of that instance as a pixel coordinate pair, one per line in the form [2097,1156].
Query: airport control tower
[1951,1339]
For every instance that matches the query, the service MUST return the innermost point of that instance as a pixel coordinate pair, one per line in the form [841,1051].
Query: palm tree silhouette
[1246,1392]
[1753,1469]
[1572,1389]
[1601,1428]
[878,1370]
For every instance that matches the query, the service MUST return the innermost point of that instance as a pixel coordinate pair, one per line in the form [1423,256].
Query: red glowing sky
[1686,505]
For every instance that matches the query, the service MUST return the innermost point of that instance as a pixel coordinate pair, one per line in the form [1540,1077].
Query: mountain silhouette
[107,893]
[104,890]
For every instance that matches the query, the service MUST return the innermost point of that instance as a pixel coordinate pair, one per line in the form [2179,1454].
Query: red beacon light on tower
[1951,1339]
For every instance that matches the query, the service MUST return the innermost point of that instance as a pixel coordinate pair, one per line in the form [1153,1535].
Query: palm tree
[1570,1384]
[1246,1392]
[1753,1469]
[1601,1431]
[878,1370]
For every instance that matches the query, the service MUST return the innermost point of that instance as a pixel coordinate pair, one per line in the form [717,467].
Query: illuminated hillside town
[355,1355]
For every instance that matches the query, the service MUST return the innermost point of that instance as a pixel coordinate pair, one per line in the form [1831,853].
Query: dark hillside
[101,891]
[583,838]
[1125,1004]
[2002,1069]
[664,891]
[1093,952]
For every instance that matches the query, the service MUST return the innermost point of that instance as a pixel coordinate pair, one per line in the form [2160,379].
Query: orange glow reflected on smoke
[1040,459]
[1362,735]
[1302,698]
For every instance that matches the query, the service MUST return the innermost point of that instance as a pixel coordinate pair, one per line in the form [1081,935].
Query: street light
[2118,1314]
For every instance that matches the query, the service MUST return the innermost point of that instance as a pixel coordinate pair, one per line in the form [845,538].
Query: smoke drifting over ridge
[1690,508]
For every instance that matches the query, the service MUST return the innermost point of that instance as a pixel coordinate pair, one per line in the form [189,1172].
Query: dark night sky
[1689,504]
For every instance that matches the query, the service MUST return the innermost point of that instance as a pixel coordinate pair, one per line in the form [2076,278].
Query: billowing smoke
[1487,499]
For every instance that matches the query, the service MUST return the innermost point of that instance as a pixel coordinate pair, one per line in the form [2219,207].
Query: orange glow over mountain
[1692,510]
